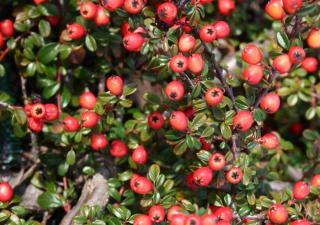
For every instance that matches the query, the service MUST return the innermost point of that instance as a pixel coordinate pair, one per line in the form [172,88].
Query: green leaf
[20,116]
[180,148]
[292,100]
[152,98]
[91,43]
[126,175]
[44,28]
[283,39]
[243,211]
[204,155]
[63,169]
[196,91]
[154,172]
[225,131]
[4,215]
[310,113]
[129,90]
[259,115]
[242,103]
[51,91]
[31,69]
[49,200]
[114,221]
[71,157]
[65,97]
[48,52]
[88,170]
[18,210]
[2,70]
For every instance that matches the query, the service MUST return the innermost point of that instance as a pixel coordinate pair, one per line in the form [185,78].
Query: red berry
[53,20]
[222,29]
[174,210]
[301,190]
[178,63]
[186,43]
[140,30]
[310,64]
[209,219]
[88,10]
[217,161]
[291,6]
[253,74]
[133,6]
[202,176]
[204,144]
[282,63]
[87,100]
[139,155]
[52,112]
[224,214]
[114,84]
[75,31]
[155,120]
[101,18]
[178,121]
[275,10]
[156,213]
[2,41]
[38,111]
[296,128]
[252,54]
[37,2]
[207,33]
[277,214]
[141,185]
[98,141]
[112,5]
[195,63]
[133,42]
[70,124]
[300,222]
[35,125]
[6,192]
[214,96]
[27,109]
[89,119]
[167,12]
[315,181]
[234,175]
[184,24]
[7,28]
[192,219]
[313,39]
[226,7]
[178,219]
[189,181]
[142,220]
[296,54]
[175,90]
[270,141]
[270,102]
[202,1]
[118,149]
[242,121]
[125,29]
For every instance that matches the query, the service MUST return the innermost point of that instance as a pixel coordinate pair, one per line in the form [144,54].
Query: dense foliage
[173,112]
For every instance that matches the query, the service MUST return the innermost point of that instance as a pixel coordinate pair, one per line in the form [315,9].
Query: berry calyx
[178,63]
[296,54]
[133,42]
[217,161]
[234,175]
[214,96]
[133,6]
[155,120]
[88,10]
[207,33]
[156,213]
[140,185]
[175,90]
[224,214]
[38,111]
[75,31]
[167,12]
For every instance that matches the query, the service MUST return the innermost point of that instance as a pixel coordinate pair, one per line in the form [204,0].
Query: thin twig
[186,76]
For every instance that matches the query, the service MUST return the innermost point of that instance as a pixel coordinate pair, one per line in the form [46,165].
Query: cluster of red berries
[38,113]
[277,9]
[132,41]
[278,214]
[176,216]
[6,31]
[89,10]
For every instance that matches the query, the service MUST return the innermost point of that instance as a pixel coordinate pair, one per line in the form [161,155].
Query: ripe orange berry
[313,39]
